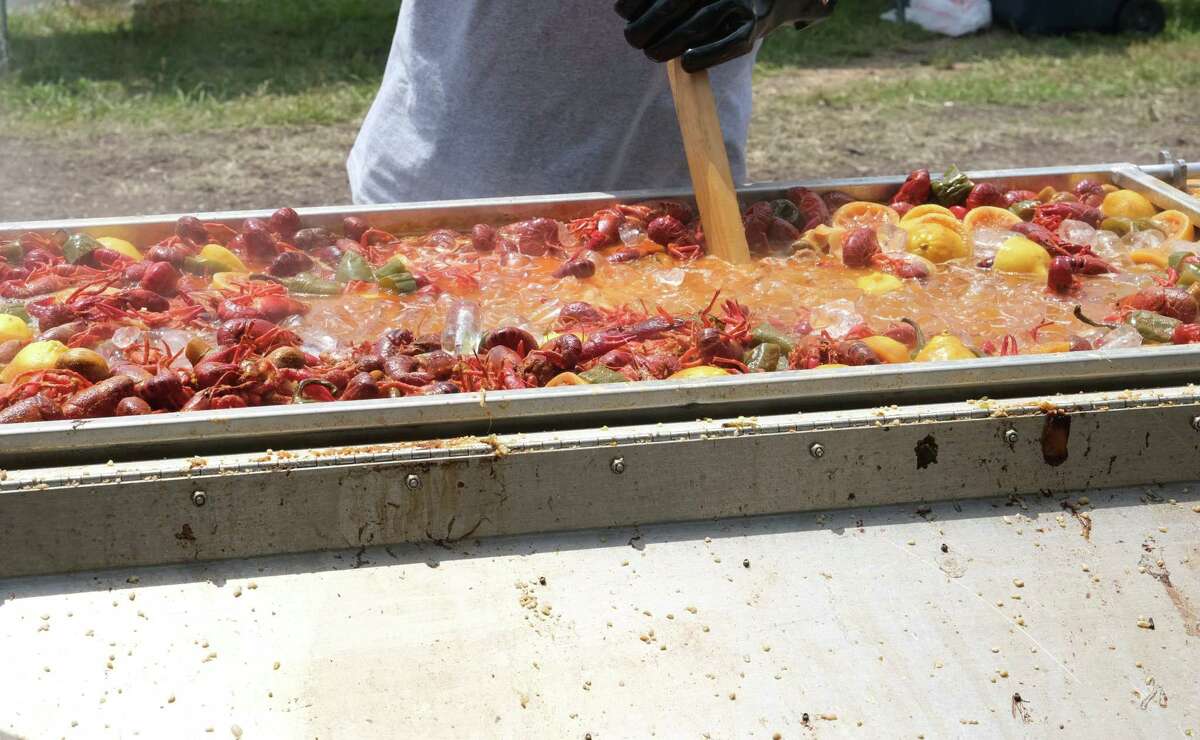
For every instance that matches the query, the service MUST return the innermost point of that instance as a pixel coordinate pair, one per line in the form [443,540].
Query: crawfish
[512,337]
[603,228]
[1175,303]
[100,399]
[1051,215]
[259,335]
[501,366]
[534,237]
[558,355]
[32,287]
[812,208]
[915,190]
[37,407]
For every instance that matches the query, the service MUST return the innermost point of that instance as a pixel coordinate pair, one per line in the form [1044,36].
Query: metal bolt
[413,481]
[1010,436]
[199,498]
[816,450]
[1196,423]
[617,465]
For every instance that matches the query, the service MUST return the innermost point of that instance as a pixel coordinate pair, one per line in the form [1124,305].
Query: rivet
[1011,436]
[816,450]
[617,465]
[413,481]
[199,498]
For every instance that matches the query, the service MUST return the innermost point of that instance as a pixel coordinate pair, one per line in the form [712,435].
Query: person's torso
[516,97]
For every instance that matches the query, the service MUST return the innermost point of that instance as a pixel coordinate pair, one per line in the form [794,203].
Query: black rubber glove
[709,32]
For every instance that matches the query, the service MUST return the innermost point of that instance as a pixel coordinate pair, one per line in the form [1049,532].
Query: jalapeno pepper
[1177,257]
[1189,274]
[1154,327]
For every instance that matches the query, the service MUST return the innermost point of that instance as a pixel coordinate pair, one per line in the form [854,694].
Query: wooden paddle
[709,163]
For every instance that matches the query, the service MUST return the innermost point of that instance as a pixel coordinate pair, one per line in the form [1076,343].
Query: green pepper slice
[79,246]
[763,358]
[603,374]
[767,334]
[309,284]
[12,252]
[354,267]
[1026,209]
[15,309]
[1154,327]
[953,188]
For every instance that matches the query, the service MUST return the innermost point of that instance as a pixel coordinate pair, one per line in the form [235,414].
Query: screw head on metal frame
[413,481]
[817,450]
[617,465]
[199,498]
[1011,436]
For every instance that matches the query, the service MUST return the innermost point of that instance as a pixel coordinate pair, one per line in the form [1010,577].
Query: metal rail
[74,518]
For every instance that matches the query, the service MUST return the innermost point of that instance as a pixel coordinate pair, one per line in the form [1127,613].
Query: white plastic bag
[949,17]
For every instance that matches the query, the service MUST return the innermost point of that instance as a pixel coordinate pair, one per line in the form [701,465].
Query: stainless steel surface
[69,518]
[414,418]
[857,619]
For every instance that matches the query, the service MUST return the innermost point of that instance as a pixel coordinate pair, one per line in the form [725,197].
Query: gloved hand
[709,32]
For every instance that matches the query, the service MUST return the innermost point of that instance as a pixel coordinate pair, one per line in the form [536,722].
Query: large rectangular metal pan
[281,427]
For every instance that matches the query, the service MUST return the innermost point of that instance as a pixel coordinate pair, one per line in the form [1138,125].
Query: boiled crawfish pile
[93,327]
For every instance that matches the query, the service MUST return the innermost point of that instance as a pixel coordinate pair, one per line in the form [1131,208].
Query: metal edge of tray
[123,515]
[423,417]
[402,217]
[30,444]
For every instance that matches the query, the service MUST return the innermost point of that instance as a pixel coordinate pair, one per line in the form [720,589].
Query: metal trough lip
[280,427]
[28,445]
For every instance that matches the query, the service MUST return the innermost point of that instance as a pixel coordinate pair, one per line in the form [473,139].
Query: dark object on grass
[1146,17]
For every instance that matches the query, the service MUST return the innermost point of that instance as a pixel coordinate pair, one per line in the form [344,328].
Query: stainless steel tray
[280,427]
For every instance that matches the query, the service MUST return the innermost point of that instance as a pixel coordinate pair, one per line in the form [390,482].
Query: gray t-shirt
[487,98]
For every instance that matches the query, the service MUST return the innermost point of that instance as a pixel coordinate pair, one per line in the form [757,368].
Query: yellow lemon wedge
[1019,254]
[35,356]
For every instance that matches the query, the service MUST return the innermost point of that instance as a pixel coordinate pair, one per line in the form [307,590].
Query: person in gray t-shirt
[489,98]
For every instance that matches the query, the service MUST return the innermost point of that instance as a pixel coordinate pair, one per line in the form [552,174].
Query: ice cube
[460,333]
[632,235]
[176,342]
[1124,336]
[566,237]
[836,317]
[109,351]
[1076,232]
[673,277]
[1148,239]
[988,241]
[317,343]
[126,337]
[892,238]
[1106,244]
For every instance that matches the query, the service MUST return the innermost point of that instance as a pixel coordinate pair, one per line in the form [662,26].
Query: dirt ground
[59,175]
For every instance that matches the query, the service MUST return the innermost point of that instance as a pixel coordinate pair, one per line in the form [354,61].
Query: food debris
[237,592]
[132,595]
[1146,623]
[829,717]
[237,731]
[210,656]
[171,699]
[1018,583]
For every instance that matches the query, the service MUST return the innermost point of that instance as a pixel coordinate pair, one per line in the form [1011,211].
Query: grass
[205,64]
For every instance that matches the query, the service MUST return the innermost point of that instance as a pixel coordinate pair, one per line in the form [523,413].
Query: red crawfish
[1175,303]
[916,189]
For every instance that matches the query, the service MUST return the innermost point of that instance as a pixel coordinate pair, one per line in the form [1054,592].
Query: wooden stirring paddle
[709,163]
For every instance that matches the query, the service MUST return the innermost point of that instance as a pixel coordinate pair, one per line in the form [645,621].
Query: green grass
[189,64]
[998,67]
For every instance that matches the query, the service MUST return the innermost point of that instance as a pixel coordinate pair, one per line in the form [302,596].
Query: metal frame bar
[106,516]
[284,427]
